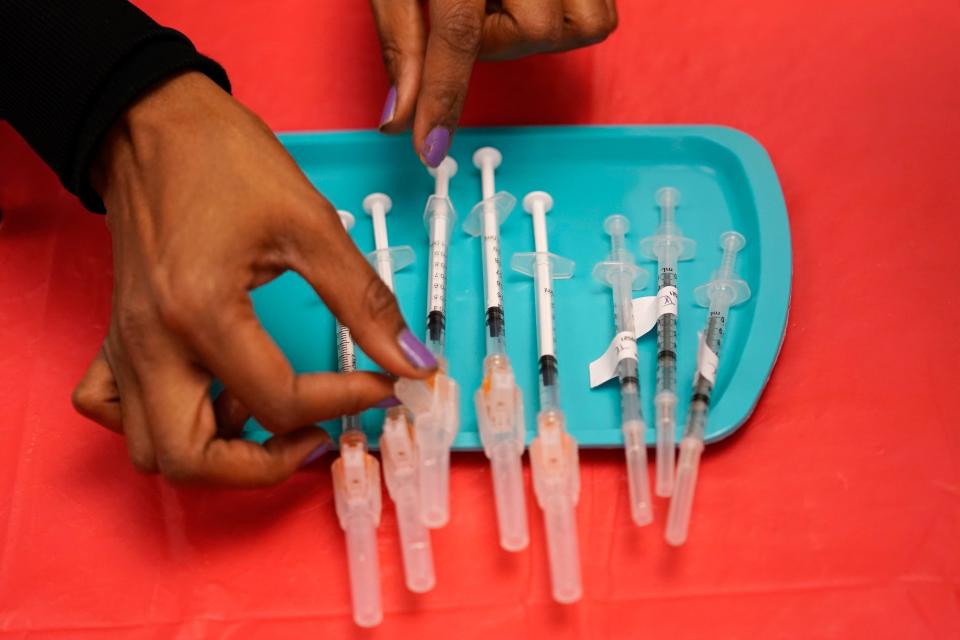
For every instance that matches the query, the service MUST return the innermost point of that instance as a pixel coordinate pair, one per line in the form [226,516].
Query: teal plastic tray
[727,182]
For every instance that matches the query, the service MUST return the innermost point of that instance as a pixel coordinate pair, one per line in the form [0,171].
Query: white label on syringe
[438,266]
[707,361]
[667,301]
[648,309]
[622,347]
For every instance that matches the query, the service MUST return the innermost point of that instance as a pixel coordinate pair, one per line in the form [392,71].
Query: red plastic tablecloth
[834,513]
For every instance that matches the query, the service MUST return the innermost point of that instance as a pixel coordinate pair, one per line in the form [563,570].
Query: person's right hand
[203,205]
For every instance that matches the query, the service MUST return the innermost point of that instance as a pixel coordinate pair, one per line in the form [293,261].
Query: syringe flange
[440,205]
[526,263]
[502,203]
[399,257]
[604,272]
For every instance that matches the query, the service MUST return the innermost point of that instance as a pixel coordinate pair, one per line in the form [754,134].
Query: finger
[612,11]
[139,442]
[240,463]
[230,414]
[522,28]
[328,259]
[183,425]
[452,47]
[96,396]
[402,42]
[242,355]
[586,22]
[135,427]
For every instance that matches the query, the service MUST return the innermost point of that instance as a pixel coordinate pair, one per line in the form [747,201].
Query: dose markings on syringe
[491,254]
[438,264]
[346,352]
[546,336]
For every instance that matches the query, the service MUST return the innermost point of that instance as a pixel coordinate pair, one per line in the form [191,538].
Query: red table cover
[833,513]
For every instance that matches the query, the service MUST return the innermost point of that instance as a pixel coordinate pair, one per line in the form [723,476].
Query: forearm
[70,68]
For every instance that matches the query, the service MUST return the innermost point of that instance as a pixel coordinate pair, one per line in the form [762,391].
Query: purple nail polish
[386,403]
[389,107]
[435,146]
[316,454]
[417,353]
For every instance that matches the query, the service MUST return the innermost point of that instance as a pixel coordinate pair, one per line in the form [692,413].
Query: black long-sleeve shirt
[69,68]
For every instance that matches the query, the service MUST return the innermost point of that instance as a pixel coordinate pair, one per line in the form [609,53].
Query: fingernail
[435,146]
[416,352]
[386,403]
[389,107]
[316,454]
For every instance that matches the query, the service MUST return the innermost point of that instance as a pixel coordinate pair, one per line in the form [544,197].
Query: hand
[430,74]
[203,205]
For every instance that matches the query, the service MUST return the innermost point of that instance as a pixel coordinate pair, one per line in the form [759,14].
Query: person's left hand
[430,74]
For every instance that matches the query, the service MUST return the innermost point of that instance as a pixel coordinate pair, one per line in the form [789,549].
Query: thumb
[329,260]
[456,30]
[402,40]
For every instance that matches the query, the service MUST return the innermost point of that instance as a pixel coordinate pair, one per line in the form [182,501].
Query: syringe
[435,402]
[723,291]
[667,246]
[356,487]
[553,452]
[499,402]
[396,441]
[622,275]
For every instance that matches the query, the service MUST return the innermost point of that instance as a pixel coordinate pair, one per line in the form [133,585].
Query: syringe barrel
[350,423]
[667,353]
[563,549]
[364,569]
[414,541]
[549,384]
[665,401]
[629,390]
[490,255]
[543,297]
[699,409]
[496,338]
[622,284]
[716,325]
[681,504]
[506,466]
[439,224]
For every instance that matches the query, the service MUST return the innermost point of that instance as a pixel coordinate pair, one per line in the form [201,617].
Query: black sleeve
[68,68]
